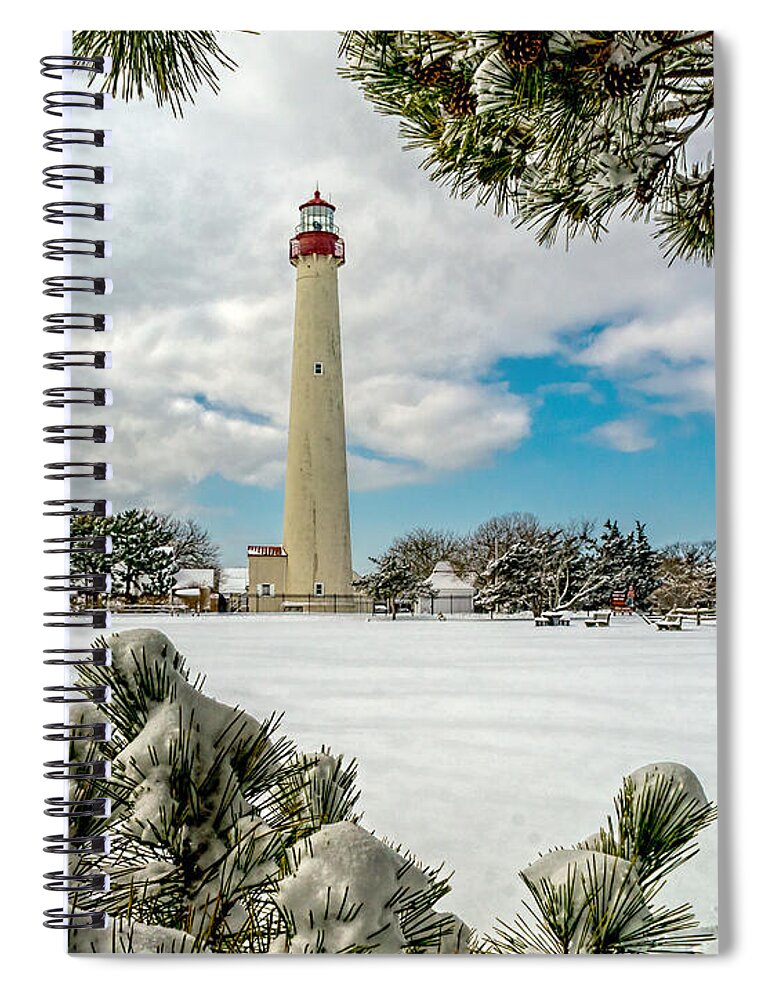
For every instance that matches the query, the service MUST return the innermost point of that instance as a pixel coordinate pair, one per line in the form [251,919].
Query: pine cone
[660,37]
[437,72]
[461,100]
[643,192]
[521,48]
[621,80]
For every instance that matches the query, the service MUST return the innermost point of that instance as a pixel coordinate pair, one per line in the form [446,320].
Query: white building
[451,595]
[233,588]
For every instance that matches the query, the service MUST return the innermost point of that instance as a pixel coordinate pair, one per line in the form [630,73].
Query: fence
[358,604]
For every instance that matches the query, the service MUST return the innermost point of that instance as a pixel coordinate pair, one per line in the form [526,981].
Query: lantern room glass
[316,219]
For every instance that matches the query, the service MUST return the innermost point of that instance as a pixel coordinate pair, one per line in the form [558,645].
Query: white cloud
[439,424]
[435,291]
[681,338]
[669,361]
[623,435]
[679,390]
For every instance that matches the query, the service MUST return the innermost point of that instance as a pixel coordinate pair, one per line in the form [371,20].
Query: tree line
[518,563]
[146,551]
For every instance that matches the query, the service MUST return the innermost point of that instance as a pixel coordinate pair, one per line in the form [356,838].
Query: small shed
[451,595]
[233,588]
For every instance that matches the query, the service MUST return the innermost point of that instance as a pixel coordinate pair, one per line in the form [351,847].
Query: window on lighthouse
[317,218]
[318,367]
[318,587]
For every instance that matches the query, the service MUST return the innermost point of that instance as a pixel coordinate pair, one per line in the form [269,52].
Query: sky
[483,373]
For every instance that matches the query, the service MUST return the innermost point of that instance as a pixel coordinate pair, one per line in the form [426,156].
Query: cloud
[683,338]
[441,425]
[435,291]
[668,361]
[679,391]
[628,435]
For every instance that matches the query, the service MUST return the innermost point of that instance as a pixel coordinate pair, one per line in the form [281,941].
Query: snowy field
[480,743]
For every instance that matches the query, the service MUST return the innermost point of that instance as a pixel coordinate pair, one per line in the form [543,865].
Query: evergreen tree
[615,558]
[393,582]
[170,65]
[561,130]
[644,564]
[142,558]
[544,569]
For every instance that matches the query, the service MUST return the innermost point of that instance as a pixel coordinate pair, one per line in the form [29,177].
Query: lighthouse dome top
[317,200]
[316,216]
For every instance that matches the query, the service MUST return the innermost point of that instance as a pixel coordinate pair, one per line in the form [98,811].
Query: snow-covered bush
[223,837]
[598,897]
[227,838]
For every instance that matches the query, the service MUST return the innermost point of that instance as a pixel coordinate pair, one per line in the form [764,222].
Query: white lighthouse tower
[316,526]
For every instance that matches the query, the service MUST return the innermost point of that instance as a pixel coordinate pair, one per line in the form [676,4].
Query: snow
[122,936]
[233,580]
[377,883]
[480,743]
[194,577]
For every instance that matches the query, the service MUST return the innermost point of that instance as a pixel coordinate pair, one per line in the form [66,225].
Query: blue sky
[559,472]
[484,373]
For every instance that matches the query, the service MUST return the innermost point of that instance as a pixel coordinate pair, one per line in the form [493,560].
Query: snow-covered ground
[480,743]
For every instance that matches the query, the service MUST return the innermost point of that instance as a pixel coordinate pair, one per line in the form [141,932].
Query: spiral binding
[77,884]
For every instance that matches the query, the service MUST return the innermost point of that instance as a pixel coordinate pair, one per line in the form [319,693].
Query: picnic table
[552,618]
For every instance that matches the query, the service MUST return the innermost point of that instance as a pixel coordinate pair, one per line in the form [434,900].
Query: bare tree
[193,546]
[421,548]
[492,539]
[689,576]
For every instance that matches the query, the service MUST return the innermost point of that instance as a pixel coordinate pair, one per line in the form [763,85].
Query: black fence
[358,604]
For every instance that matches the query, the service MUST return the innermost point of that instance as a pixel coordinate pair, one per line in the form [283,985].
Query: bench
[599,619]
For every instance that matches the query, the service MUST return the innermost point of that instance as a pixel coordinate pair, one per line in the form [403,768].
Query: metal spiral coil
[56,101]
[93,322]
[54,65]
[59,844]
[90,618]
[86,173]
[92,544]
[100,471]
[81,694]
[61,433]
[58,361]
[78,583]
[59,249]
[79,885]
[57,138]
[72,395]
[93,656]
[77,770]
[65,808]
[58,211]
[66,508]
[64,882]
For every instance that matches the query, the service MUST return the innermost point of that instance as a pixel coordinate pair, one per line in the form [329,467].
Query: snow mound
[348,891]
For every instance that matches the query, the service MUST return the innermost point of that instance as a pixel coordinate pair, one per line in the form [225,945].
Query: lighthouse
[312,569]
[316,524]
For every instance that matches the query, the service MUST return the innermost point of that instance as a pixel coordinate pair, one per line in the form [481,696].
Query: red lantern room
[316,232]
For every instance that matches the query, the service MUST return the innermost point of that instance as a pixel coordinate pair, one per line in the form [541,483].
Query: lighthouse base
[331,604]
